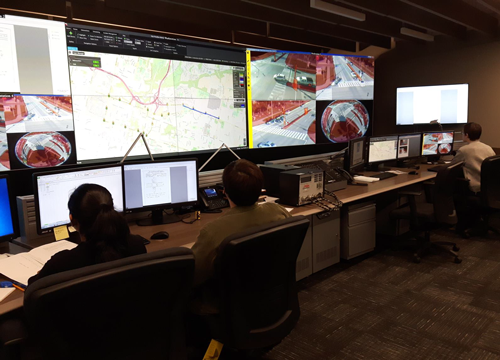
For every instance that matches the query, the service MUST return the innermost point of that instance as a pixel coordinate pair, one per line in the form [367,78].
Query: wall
[474,61]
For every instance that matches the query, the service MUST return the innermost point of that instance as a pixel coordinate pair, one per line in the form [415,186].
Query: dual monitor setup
[134,187]
[376,150]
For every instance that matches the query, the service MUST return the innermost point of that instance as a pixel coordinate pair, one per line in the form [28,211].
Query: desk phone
[212,197]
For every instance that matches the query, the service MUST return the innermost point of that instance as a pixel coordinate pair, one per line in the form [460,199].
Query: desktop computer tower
[26,212]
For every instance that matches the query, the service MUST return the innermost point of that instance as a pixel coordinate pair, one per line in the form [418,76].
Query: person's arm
[458,157]
[53,266]
[204,256]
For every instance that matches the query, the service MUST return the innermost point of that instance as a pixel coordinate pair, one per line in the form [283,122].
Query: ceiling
[284,24]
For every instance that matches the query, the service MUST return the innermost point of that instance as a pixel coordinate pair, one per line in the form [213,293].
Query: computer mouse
[160,235]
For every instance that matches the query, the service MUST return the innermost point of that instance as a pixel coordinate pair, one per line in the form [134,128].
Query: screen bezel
[39,229]
[436,132]
[13,212]
[159,206]
[420,147]
[430,86]
[380,161]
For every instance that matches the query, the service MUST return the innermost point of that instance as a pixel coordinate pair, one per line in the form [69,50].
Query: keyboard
[384,175]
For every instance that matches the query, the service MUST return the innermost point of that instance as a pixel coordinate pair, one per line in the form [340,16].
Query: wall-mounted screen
[445,104]
[302,98]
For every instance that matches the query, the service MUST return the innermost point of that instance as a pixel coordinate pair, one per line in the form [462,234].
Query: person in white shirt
[473,154]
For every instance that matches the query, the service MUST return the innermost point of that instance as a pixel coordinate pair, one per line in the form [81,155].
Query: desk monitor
[382,149]
[6,221]
[53,189]
[160,185]
[409,146]
[357,153]
[437,143]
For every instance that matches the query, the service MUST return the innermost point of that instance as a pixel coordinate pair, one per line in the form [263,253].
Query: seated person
[243,183]
[473,155]
[104,233]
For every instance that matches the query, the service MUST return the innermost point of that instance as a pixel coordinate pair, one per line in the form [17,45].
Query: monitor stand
[408,163]
[378,167]
[160,218]
[435,159]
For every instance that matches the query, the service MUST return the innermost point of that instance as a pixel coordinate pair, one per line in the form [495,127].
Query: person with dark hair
[472,154]
[105,235]
[243,182]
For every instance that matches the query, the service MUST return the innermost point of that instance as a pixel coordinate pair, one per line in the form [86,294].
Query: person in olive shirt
[104,233]
[243,183]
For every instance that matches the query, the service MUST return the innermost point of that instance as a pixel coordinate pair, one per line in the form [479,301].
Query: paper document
[397,172]
[4,292]
[22,266]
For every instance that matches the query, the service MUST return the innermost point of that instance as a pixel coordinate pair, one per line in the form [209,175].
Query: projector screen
[446,104]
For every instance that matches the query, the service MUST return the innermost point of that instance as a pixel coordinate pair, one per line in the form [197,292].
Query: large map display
[180,106]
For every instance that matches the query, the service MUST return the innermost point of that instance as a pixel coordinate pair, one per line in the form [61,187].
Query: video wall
[80,94]
[298,98]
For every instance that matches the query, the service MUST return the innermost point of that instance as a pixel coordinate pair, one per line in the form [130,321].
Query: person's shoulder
[136,244]
[275,208]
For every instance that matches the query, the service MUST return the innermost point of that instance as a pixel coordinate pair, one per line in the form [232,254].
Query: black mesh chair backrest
[446,186]
[255,272]
[125,309]
[490,182]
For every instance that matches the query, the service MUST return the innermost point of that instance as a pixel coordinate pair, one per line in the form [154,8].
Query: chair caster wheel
[457,260]
[416,259]
[456,248]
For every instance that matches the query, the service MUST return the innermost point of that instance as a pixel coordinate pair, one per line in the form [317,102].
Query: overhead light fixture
[416,34]
[337,10]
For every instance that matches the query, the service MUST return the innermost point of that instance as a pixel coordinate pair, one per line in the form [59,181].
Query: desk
[184,235]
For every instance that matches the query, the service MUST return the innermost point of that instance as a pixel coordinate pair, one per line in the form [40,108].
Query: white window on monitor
[33,56]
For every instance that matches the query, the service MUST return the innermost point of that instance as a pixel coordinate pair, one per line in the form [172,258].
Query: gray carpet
[387,307]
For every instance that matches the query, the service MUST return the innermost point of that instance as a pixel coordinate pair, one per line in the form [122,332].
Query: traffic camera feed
[283,123]
[437,143]
[343,77]
[344,120]
[283,76]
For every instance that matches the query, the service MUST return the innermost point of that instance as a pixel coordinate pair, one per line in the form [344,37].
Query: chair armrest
[409,193]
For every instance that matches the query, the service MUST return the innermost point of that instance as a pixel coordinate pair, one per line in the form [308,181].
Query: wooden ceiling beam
[55,8]
[273,16]
[374,23]
[194,16]
[132,21]
[493,5]
[251,40]
[459,12]
[397,10]
[305,37]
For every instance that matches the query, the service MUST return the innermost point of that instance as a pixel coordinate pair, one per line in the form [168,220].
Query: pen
[18,287]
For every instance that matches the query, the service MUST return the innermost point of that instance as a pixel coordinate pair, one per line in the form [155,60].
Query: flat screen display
[409,146]
[155,184]
[445,104]
[382,149]
[437,143]
[53,189]
[357,151]
[6,224]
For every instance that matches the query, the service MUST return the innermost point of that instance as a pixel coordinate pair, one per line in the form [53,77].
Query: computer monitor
[437,143]
[357,154]
[160,185]
[53,189]
[409,146]
[383,148]
[7,231]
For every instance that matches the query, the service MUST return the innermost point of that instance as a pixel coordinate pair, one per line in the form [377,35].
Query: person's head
[472,131]
[93,215]
[243,181]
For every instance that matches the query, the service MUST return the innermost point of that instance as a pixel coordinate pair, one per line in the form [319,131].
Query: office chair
[490,189]
[125,309]
[255,276]
[426,216]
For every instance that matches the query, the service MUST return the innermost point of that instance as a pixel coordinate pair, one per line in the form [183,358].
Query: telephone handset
[350,180]
[212,197]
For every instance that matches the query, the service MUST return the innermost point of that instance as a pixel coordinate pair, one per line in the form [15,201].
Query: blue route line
[201,112]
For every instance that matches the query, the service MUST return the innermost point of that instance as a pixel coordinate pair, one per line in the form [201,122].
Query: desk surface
[185,234]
